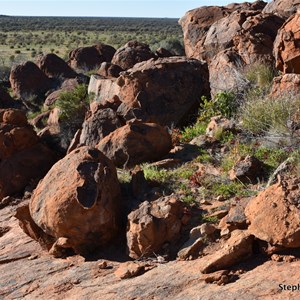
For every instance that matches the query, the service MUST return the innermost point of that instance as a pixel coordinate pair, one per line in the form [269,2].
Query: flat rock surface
[26,272]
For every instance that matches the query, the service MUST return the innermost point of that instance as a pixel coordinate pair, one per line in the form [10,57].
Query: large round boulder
[136,143]
[78,201]
[131,53]
[54,66]
[166,91]
[89,58]
[27,80]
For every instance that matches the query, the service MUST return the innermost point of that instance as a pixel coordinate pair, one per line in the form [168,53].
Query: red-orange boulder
[286,46]
[136,143]
[78,201]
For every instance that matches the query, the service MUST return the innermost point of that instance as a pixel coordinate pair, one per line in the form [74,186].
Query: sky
[105,8]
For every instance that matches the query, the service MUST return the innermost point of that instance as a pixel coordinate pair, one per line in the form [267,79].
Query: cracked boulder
[153,225]
[78,202]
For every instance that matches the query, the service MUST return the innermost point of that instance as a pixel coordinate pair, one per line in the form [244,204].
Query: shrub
[72,104]
[224,104]
[277,116]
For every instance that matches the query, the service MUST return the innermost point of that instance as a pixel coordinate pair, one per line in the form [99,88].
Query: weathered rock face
[286,46]
[100,123]
[22,157]
[78,201]
[27,79]
[103,88]
[236,249]
[131,53]
[274,214]
[152,225]
[165,91]
[285,85]
[136,143]
[54,66]
[197,22]
[109,70]
[284,8]
[89,58]
[250,33]
[225,72]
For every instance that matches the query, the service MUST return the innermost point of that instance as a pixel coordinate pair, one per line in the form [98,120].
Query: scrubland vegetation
[23,38]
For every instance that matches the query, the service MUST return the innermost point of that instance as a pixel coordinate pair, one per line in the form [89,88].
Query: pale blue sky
[106,8]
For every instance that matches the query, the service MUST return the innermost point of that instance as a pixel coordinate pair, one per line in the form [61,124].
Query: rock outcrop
[22,157]
[131,53]
[27,80]
[197,22]
[135,143]
[166,91]
[152,225]
[98,124]
[286,85]
[89,58]
[54,66]
[84,212]
[286,46]
[284,8]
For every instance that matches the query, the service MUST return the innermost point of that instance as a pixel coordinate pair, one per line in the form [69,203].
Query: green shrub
[72,104]
[224,104]
[190,132]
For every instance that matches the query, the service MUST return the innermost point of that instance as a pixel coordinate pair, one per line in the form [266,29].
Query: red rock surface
[29,273]
[132,53]
[274,214]
[284,8]
[79,200]
[286,85]
[152,225]
[197,22]
[54,66]
[165,91]
[22,157]
[27,79]
[286,46]
[135,143]
[89,58]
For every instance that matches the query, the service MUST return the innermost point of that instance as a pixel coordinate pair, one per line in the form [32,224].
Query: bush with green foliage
[224,104]
[72,104]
